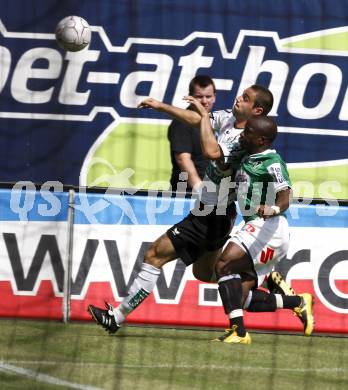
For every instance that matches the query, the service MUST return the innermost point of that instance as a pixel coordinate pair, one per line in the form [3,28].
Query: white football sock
[279,301]
[141,287]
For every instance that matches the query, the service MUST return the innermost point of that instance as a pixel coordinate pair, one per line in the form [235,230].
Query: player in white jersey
[199,238]
[264,192]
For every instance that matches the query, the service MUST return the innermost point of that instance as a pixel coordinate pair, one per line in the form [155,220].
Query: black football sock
[291,301]
[262,301]
[230,289]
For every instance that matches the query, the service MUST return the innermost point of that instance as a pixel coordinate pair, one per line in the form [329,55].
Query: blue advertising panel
[123,209]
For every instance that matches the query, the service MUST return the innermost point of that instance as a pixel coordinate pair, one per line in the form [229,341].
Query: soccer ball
[73,33]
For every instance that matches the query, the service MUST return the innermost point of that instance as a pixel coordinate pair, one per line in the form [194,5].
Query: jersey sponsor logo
[138,298]
[276,171]
[256,164]
[249,228]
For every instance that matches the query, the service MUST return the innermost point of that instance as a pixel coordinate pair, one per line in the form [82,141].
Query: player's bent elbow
[212,154]
[193,121]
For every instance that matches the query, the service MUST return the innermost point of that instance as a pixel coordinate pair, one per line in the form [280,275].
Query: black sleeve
[180,137]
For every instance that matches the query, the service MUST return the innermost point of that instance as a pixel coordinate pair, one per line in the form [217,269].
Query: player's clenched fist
[150,103]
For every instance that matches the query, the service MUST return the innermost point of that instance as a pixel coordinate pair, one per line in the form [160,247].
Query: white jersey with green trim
[228,138]
[258,180]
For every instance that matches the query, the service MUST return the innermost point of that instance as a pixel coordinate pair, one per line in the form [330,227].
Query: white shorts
[266,241]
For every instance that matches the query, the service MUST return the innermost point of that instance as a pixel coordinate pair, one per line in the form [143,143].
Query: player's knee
[223,267]
[199,275]
[159,253]
[152,256]
[204,275]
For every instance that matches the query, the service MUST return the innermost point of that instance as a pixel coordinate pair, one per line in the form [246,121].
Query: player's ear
[262,140]
[258,110]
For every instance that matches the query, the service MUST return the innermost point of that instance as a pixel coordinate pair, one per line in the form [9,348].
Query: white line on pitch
[11,369]
[185,366]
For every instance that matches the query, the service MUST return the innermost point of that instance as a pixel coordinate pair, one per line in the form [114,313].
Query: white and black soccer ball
[73,33]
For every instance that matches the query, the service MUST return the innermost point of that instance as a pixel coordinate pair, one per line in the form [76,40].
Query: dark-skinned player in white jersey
[264,191]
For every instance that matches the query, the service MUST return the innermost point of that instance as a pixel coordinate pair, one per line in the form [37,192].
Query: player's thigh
[233,259]
[160,252]
[204,268]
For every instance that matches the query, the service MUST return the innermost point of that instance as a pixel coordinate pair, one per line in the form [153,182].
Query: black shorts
[195,235]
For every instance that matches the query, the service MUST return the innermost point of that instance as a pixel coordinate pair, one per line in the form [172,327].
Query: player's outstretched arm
[189,117]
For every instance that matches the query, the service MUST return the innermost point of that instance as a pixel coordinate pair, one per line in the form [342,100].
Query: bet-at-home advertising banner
[72,117]
[46,266]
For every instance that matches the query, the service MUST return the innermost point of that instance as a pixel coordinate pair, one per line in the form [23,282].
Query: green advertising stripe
[328,41]
[322,182]
[144,148]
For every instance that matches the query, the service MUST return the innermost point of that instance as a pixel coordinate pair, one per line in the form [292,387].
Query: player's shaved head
[264,126]
[258,135]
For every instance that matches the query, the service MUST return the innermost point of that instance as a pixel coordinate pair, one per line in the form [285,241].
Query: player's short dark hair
[264,98]
[201,80]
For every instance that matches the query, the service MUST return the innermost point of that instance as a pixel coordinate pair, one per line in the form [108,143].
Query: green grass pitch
[44,355]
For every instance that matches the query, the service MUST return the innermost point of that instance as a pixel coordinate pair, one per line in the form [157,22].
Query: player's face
[206,96]
[249,139]
[244,105]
